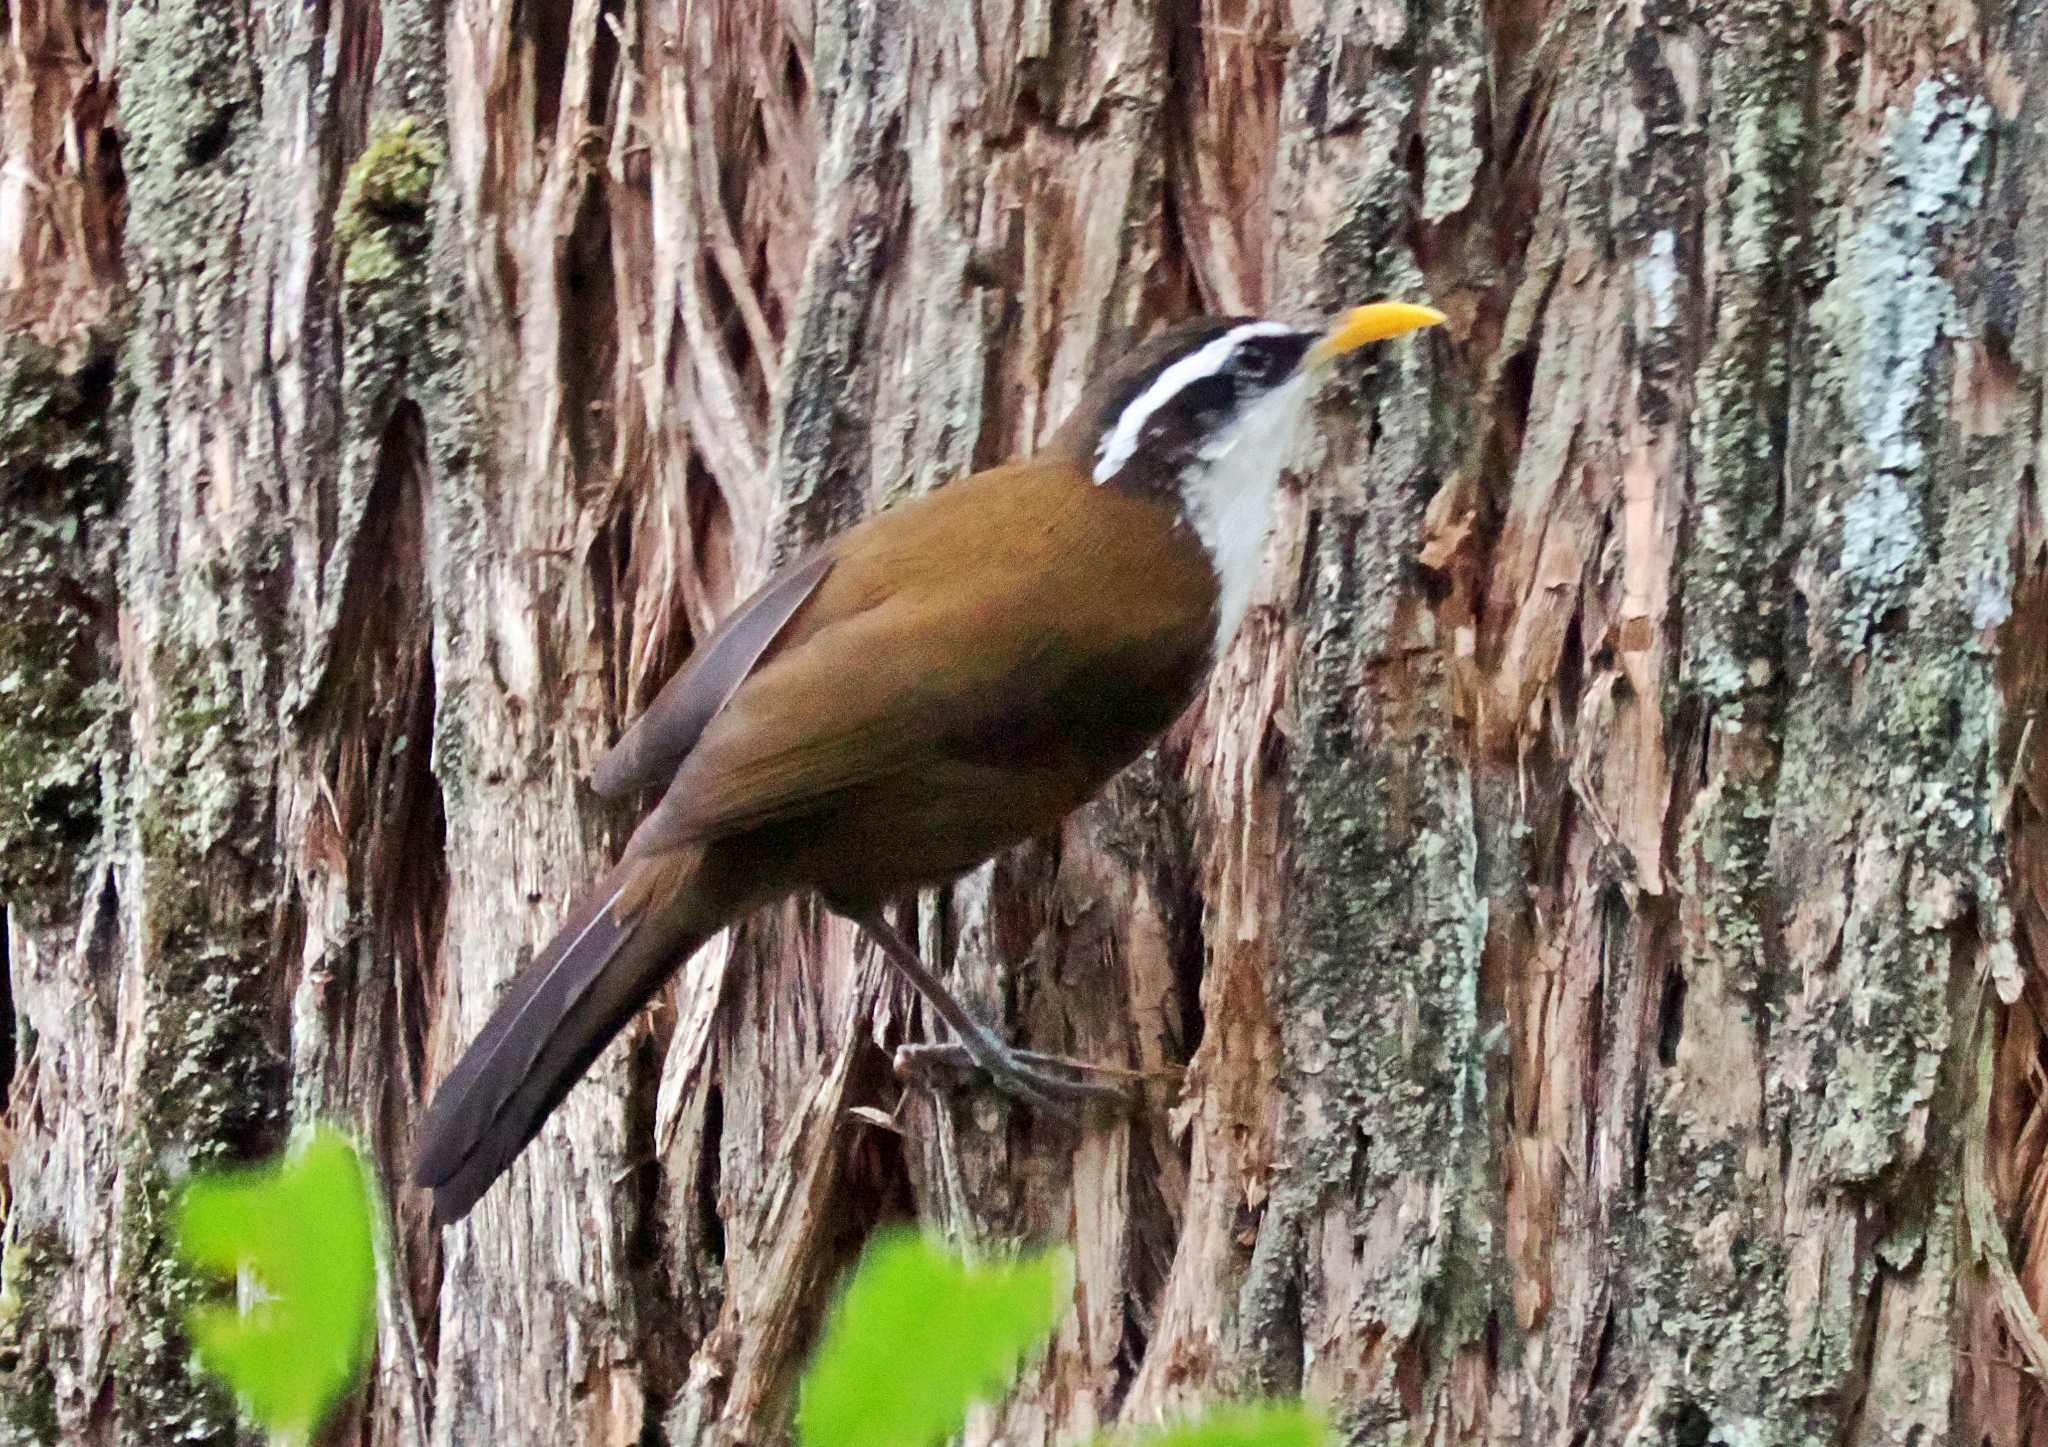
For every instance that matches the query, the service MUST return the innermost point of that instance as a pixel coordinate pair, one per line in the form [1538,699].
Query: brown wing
[650,751]
[943,629]
[856,702]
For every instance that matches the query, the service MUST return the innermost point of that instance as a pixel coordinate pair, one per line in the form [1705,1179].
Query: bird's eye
[1268,358]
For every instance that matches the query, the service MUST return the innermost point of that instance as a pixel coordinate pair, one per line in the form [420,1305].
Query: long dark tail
[623,939]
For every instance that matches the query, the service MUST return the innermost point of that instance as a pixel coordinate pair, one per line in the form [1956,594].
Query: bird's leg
[1029,1076]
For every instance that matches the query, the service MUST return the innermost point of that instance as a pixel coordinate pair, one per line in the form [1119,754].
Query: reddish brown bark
[1598,903]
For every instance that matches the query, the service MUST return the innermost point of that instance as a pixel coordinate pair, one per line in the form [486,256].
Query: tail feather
[623,939]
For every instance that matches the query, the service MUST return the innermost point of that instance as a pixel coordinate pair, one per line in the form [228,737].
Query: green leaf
[918,1336]
[1284,1425]
[305,1230]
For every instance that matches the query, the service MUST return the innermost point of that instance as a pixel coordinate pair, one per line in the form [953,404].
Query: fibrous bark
[1600,903]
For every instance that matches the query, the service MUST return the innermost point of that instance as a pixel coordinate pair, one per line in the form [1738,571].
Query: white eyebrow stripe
[1122,440]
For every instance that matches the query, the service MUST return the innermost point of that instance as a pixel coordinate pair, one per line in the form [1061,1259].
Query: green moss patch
[380,224]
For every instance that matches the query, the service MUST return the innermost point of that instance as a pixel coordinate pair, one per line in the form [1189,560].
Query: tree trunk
[1601,902]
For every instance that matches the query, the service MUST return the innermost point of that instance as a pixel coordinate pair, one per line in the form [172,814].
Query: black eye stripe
[1256,363]
[1187,340]
[1202,402]
[1175,396]
[1269,358]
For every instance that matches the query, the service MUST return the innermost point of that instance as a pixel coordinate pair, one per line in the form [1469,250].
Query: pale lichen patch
[1888,308]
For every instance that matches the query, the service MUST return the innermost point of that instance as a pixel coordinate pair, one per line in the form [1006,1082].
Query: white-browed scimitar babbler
[946,679]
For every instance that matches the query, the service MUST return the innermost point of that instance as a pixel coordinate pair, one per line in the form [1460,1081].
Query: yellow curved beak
[1374,323]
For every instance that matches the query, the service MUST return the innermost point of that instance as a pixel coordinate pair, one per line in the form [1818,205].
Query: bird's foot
[1048,1083]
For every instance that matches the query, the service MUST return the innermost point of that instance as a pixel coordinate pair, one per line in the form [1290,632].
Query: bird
[943,680]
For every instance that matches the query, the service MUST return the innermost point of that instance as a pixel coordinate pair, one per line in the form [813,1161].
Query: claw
[1025,1074]
[956,1056]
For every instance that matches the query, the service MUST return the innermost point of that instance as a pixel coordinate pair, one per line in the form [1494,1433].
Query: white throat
[1229,497]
